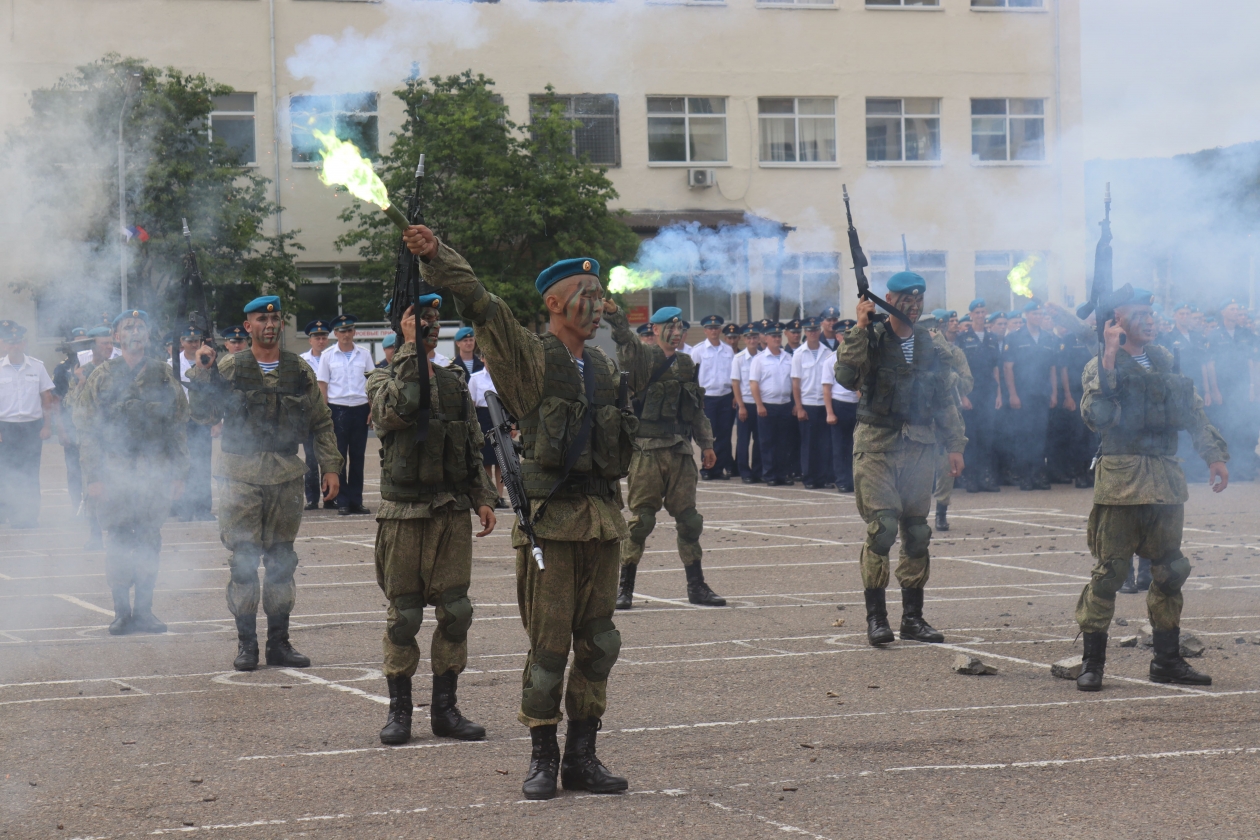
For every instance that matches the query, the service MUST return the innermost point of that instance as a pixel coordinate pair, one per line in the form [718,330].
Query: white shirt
[20,389]
[478,384]
[740,368]
[311,359]
[715,367]
[839,393]
[808,366]
[773,375]
[439,360]
[346,378]
[85,356]
[184,365]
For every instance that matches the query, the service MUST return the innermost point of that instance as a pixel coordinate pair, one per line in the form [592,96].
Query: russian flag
[136,232]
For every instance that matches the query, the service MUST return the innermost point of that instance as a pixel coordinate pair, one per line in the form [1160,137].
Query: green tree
[511,201]
[174,171]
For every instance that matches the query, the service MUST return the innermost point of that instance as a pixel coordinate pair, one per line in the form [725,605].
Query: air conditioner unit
[701,178]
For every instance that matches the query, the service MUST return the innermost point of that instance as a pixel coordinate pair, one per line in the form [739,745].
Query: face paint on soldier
[132,336]
[669,336]
[264,328]
[576,305]
[910,303]
[1138,323]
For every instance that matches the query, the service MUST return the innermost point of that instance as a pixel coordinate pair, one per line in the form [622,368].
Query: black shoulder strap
[579,442]
[656,374]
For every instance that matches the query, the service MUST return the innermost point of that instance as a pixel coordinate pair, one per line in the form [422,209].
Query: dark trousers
[350,424]
[196,499]
[981,442]
[842,442]
[721,413]
[313,479]
[794,444]
[816,446]
[74,477]
[748,445]
[778,457]
[20,451]
[1028,438]
[1236,420]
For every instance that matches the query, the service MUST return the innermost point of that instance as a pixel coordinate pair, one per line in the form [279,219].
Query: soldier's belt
[575,486]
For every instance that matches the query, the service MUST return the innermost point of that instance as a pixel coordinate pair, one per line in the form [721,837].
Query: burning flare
[623,279]
[345,166]
[1020,277]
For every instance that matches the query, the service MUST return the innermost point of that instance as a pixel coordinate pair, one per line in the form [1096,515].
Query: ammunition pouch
[258,417]
[447,460]
[895,393]
[1154,406]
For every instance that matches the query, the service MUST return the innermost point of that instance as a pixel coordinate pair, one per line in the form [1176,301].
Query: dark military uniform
[1079,442]
[1190,355]
[1033,362]
[431,478]
[982,360]
[669,403]
[1237,417]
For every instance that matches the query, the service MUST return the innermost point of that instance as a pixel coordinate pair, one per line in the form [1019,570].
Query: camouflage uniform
[960,385]
[132,425]
[905,412]
[663,470]
[571,602]
[265,416]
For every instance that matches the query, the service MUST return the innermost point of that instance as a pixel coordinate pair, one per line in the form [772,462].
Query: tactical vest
[446,460]
[672,403]
[139,411]
[1154,405]
[258,417]
[895,393]
[550,430]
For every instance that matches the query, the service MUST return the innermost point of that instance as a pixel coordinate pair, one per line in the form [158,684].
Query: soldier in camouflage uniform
[431,478]
[907,408]
[132,416]
[670,405]
[269,402]
[960,386]
[1139,488]
[577,446]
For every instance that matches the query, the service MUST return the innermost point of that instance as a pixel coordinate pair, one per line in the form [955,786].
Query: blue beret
[966,319]
[812,323]
[434,300]
[1143,297]
[388,341]
[666,314]
[343,321]
[1032,305]
[940,314]
[995,316]
[1180,305]
[266,303]
[1225,302]
[463,332]
[644,329]
[98,332]
[712,321]
[731,329]
[1014,313]
[906,281]
[975,303]
[317,327]
[130,313]
[77,333]
[389,304]
[553,274]
[234,333]
[830,312]
[11,330]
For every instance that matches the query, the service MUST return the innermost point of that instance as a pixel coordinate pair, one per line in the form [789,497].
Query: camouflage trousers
[663,477]
[944,488]
[260,522]
[425,562]
[1115,534]
[131,512]
[893,491]
[571,602]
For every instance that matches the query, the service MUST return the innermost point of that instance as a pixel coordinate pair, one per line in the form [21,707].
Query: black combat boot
[444,715]
[398,725]
[121,625]
[1168,666]
[942,524]
[989,482]
[698,592]
[1143,581]
[1092,661]
[544,763]
[1129,587]
[246,643]
[877,630]
[1040,479]
[971,481]
[279,651]
[582,769]
[913,627]
[142,618]
[625,589]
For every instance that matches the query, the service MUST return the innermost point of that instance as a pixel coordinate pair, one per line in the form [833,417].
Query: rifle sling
[579,442]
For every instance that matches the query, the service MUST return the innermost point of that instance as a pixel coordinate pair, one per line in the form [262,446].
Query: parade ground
[768,717]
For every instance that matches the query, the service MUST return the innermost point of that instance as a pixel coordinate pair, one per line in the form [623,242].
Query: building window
[930,265]
[1003,4]
[351,117]
[993,277]
[1008,129]
[800,130]
[811,282]
[598,138]
[686,129]
[830,4]
[902,4]
[907,130]
[232,121]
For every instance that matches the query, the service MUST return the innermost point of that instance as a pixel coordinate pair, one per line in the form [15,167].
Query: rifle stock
[506,456]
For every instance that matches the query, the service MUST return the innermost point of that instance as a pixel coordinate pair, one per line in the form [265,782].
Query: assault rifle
[859,267]
[200,319]
[408,285]
[509,460]
[1102,299]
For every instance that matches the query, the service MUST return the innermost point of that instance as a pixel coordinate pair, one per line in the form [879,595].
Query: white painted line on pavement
[1063,762]
[70,599]
[348,689]
[790,829]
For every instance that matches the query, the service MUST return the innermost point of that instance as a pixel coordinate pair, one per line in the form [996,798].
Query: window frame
[1044,160]
[939,160]
[570,114]
[902,7]
[373,154]
[796,123]
[252,114]
[818,5]
[1043,8]
[932,264]
[686,115]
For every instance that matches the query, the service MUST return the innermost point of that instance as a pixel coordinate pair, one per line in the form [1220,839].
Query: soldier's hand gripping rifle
[408,285]
[1102,299]
[192,284]
[508,458]
[859,267]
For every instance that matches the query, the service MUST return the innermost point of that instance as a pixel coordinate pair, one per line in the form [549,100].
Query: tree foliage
[510,201]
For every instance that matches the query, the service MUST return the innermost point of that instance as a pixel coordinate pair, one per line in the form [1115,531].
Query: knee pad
[690,525]
[1169,575]
[455,614]
[881,532]
[242,596]
[540,698]
[404,625]
[282,562]
[245,563]
[599,644]
[644,523]
[278,597]
[918,535]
